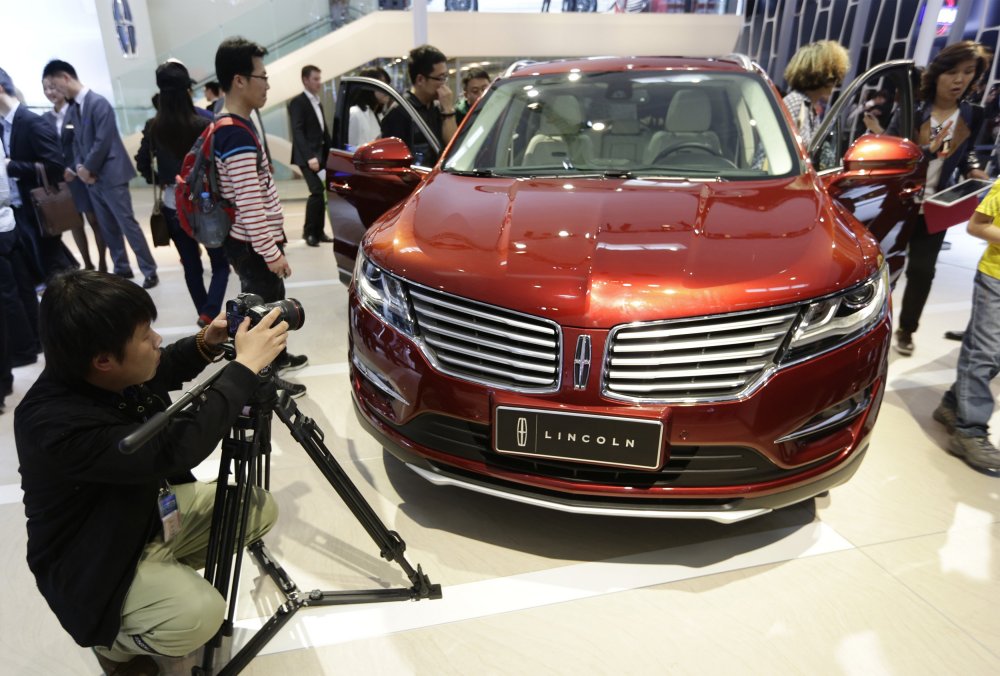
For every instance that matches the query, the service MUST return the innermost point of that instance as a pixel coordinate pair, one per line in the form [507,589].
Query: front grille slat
[445,319]
[717,357]
[487,344]
[463,306]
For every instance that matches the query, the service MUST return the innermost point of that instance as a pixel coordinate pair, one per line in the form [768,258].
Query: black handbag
[157,221]
[54,206]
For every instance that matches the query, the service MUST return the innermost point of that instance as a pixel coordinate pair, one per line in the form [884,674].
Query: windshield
[690,124]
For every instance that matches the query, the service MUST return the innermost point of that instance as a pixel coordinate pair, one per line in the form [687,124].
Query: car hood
[599,252]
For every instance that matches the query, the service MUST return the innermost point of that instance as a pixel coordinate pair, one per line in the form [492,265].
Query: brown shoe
[140,665]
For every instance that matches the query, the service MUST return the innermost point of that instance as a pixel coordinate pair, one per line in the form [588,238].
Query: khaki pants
[171,609]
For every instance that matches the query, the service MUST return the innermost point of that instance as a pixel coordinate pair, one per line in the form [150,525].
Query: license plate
[580,437]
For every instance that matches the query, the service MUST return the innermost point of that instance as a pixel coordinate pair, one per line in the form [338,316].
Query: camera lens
[292,312]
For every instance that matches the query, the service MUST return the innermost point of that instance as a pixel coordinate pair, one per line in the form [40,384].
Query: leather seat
[689,120]
[559,139]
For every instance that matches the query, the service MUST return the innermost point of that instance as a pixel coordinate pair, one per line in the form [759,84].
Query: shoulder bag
[54,205]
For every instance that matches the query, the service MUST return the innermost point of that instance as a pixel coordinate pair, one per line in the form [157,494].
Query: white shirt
[6,213]
[316,109]
[79,98]
[60,118]
[8,125]
[363,127]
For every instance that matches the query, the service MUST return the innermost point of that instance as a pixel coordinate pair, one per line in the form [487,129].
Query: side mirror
[878,156]
[384,156]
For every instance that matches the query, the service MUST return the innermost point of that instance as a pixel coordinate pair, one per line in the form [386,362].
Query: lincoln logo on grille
[581,363]
[522,432]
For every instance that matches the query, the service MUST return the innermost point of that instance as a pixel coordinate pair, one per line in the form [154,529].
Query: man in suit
[31,258]
[310,144]
[104,166]
[214,96]
[29,140]
[57,118]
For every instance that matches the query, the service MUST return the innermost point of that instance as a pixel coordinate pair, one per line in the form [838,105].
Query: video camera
[253,306]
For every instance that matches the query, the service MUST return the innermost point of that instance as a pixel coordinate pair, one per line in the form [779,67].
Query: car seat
[559,139]
[689,120]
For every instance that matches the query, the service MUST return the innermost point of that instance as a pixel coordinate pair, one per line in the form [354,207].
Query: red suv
[625,287]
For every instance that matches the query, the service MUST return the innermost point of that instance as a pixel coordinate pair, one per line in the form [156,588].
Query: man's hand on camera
[259,346]
[217,332]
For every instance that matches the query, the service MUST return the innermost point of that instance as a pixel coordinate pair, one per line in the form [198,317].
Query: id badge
[170,514]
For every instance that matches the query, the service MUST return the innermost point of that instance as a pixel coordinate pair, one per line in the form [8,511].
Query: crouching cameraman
[105,544]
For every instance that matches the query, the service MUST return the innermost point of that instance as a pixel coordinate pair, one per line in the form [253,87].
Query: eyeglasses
[439,78]
[259,77]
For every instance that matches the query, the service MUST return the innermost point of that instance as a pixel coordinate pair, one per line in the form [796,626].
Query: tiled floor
[896,572]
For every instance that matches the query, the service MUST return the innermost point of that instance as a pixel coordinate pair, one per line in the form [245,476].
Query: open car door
[875,176]
[367,175]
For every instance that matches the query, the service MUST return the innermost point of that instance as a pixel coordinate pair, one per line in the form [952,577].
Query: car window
[874,104]
[364,106]
[677,123]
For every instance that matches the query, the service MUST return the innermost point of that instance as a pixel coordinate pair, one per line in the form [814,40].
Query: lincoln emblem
[522,432]
[581,363]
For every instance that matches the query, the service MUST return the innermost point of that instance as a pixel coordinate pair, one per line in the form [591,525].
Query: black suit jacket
[33,139]
[308,138]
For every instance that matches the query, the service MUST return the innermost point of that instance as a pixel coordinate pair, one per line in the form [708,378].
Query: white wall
[191,30]
[37,31]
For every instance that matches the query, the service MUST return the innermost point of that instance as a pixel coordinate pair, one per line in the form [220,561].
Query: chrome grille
[487,344]
[692,359]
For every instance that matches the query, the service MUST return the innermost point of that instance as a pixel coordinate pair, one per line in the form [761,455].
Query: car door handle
[340,188]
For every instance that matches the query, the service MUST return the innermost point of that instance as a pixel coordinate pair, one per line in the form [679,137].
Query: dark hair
[364,97]
[176,125]
[422,60]
[56,66]
[213,87]
[309,70]
[235,57]
[6,83]
[474,74]
[85,313]
[949,58]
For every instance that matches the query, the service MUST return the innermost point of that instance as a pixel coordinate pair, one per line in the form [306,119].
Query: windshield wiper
[481,173]
[618,173]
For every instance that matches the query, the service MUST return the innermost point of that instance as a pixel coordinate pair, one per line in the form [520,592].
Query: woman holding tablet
[946,128]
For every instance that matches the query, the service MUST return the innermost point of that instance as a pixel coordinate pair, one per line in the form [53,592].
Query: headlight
[383,294]
[840,319]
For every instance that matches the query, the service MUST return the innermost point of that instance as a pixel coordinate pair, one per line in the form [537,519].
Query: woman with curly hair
[813,73]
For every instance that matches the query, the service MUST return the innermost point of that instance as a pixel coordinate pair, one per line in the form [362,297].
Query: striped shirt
[251,192]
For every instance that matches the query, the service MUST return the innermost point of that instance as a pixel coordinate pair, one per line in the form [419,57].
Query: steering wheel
[693,145]
[690,145]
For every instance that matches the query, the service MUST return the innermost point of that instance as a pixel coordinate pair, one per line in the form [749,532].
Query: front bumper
[441,427]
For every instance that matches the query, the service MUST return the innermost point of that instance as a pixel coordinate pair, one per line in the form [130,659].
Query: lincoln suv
[625,286]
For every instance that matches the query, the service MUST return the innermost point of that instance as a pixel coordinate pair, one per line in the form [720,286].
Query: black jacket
[90,508]
[33,139]
[308,138]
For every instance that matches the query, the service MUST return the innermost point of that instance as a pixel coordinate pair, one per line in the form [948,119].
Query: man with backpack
[256,241]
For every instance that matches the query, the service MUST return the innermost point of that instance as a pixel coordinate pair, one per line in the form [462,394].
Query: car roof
[600,64]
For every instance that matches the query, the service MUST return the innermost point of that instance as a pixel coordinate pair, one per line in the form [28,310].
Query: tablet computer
[970,187]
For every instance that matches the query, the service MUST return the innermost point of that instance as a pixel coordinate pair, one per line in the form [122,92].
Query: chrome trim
[518,65]
[720,516]
[832,421]
[581,362]
[741,320]
[377,380]
[542,326]
[742,59]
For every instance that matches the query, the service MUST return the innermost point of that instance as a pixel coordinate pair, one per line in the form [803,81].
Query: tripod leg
[391,545]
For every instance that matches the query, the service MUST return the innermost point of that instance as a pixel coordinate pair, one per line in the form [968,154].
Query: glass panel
[870,108]
[679,124]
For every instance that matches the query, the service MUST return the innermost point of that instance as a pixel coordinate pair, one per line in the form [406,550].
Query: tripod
[248,450]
